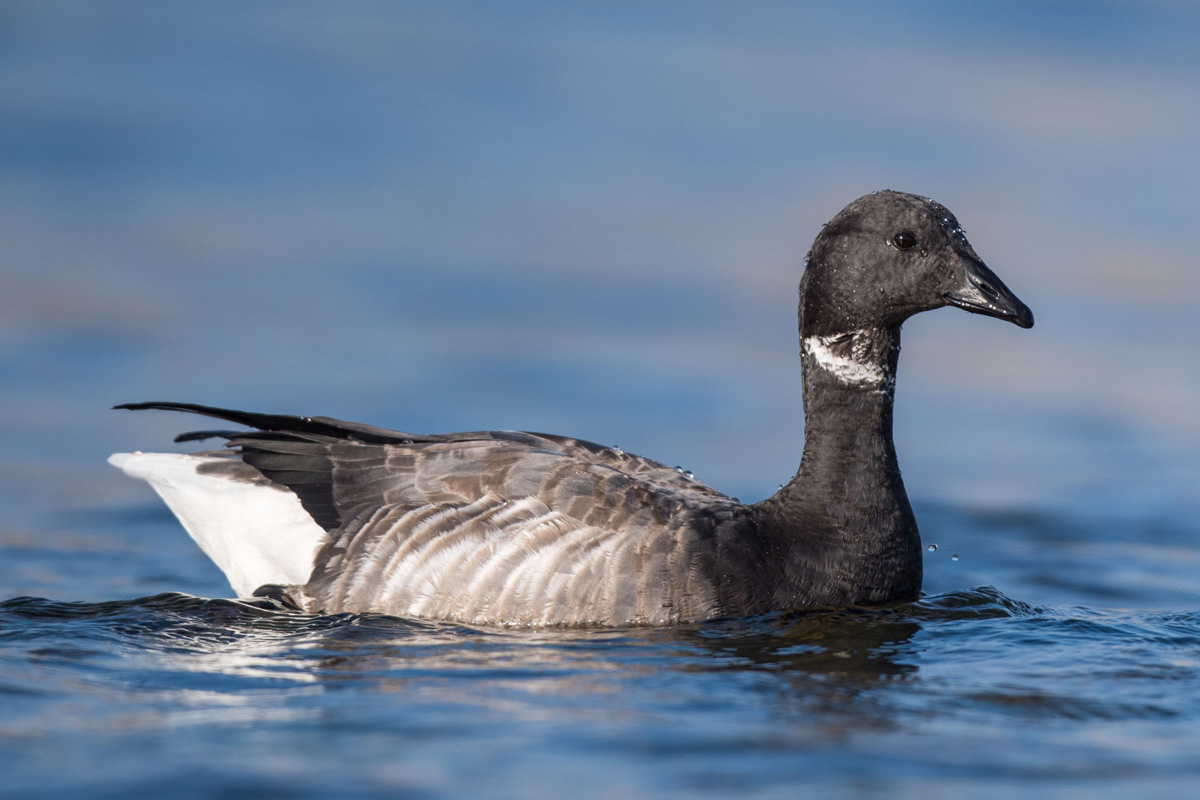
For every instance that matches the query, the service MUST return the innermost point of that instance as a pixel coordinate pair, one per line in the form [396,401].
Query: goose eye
[904,240]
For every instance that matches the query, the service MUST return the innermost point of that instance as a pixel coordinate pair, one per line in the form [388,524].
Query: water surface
[966,692]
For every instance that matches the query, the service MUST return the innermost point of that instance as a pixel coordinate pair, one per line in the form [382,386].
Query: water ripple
[753,693]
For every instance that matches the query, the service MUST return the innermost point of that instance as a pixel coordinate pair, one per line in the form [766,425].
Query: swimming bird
[531,529]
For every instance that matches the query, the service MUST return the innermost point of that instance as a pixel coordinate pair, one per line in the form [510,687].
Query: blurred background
[586,219]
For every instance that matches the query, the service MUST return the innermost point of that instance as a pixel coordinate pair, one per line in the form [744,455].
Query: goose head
[889,255]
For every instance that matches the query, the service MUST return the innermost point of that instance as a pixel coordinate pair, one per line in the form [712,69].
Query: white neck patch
[846,357]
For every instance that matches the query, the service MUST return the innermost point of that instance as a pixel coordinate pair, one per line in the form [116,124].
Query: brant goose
[510,528]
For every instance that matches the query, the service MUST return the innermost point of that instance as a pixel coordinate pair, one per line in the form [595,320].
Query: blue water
[590,220]
[1092,690]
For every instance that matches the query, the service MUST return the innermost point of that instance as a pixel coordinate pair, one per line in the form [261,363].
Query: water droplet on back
[932,548]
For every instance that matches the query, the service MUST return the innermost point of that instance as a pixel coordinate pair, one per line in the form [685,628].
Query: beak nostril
[989,291]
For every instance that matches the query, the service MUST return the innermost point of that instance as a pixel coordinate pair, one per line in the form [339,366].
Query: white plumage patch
[847,368]
[256,533]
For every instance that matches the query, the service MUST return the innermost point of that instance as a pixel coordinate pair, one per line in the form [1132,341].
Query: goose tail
[254,530]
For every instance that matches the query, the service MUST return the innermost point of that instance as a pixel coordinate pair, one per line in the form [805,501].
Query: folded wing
[495,526]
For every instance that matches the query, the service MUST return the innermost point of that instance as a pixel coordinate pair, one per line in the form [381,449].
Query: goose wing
[336,467]
[487,527]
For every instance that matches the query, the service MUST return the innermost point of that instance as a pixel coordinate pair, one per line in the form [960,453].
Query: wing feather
[494,526]
[499,560]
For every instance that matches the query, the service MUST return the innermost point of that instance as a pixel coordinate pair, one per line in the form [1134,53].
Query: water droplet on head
[932,548]
[689,474]
[954,557]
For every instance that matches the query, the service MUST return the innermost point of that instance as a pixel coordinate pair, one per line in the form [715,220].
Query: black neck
[847,526]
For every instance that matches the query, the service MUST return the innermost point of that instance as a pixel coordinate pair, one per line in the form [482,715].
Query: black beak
[982,292]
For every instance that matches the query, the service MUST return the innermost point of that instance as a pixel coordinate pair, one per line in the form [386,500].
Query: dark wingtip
[200,436]
[314,426]
[154,404]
